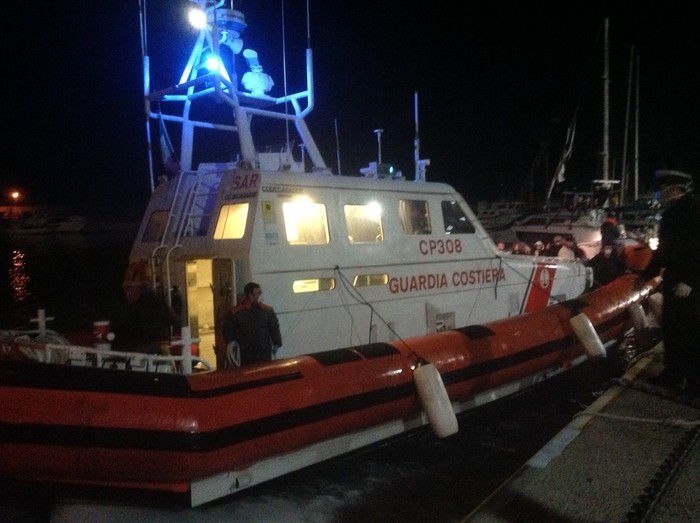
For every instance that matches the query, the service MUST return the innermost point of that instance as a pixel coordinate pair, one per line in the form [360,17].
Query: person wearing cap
[677,259]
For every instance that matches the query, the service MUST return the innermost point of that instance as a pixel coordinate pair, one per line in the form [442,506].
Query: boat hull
[210,434]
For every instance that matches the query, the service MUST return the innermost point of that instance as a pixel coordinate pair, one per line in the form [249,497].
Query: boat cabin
[342,260]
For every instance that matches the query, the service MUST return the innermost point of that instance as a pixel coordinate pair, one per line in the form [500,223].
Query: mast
[606,104]
[636,133]
[624,174]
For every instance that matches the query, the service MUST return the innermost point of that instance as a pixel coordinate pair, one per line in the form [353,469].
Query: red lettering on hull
[245,181]
[426,282]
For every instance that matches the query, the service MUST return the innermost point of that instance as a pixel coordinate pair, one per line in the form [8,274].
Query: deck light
[197,18]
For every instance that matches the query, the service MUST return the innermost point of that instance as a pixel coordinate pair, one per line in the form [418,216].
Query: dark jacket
[678,252]
[256,329]
[145,324]
[609,232]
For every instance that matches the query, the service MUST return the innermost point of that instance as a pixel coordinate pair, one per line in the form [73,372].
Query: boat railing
[47,346]
[77,355]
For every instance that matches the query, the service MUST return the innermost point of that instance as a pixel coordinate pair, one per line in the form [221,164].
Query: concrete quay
[631,456]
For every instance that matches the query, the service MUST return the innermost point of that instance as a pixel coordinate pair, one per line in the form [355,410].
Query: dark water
[414,478]
[76,278]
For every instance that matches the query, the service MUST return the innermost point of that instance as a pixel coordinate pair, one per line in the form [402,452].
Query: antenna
[421,165]
[416,139]
[379,132]
[337,146]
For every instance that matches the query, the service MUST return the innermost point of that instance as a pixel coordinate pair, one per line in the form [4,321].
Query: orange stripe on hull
[95,426]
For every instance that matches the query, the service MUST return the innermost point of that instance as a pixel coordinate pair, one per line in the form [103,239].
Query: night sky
[497,82]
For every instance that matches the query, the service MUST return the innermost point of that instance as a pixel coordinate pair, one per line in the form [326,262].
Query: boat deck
[633,455]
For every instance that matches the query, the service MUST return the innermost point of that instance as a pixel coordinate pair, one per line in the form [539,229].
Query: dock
[631,456]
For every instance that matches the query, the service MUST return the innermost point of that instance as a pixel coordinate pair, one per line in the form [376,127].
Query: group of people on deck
[559,246]
[677,261]
[607,265]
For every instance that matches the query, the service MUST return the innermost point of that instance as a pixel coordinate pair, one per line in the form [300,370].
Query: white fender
[435,401]
[656,305]
[586,334]
[639,318]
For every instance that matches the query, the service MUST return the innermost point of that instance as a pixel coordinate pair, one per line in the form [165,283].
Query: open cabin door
[224,293]
[211,289]
[200,305]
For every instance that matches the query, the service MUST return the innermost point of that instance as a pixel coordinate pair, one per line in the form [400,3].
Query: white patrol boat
[396,309]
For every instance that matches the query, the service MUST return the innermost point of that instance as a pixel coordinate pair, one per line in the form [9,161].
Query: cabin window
[305,222]
[414,215]
[313,285]
[364,223]
[155,229]
[369,280]
[232,221]
[456,222]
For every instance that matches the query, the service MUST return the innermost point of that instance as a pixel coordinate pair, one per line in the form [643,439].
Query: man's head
[669,186]
[671,192]
[252,291]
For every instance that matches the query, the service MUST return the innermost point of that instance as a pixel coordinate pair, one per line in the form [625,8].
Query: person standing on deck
[146,323]
[677,259]
[608,263]
[254,326]
[609,231]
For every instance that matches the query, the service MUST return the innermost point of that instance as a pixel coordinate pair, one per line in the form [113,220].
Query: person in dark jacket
[608,263]
[254,326]
[609,231]
[146,322]
[677,259]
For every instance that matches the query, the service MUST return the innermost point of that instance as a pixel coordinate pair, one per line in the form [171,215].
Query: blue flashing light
[212,63]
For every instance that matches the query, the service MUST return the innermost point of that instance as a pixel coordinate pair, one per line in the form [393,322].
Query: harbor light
[14,196]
